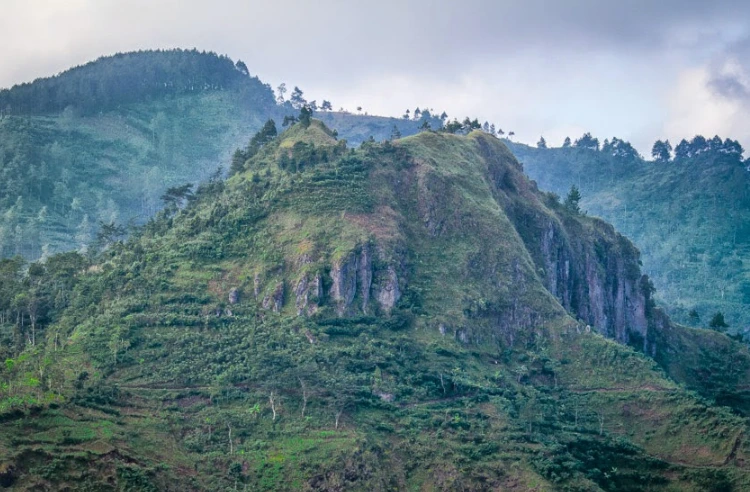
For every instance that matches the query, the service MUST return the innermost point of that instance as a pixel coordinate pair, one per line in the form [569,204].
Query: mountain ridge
[366,319]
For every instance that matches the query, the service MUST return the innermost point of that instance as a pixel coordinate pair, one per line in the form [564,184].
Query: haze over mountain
[689,216]
[100,143]
[215,280]
[639,70]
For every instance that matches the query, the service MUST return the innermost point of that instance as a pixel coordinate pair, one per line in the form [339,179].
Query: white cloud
[537,67]
[695,109]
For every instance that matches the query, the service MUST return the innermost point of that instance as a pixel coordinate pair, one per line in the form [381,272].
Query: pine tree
[573,199]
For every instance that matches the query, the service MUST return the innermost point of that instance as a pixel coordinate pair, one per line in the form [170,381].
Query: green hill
[413,315]
[101,143]
[688,217]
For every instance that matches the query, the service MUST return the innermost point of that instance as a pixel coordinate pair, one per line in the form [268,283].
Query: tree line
[131,77]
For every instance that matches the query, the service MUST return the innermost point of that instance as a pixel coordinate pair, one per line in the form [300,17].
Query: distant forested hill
[100,143]
[690,216]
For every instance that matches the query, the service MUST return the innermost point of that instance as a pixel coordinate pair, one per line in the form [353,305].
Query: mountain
[102,142]
[413,314]
[689,218]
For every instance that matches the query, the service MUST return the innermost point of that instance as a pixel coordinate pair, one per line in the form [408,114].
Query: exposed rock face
[388,292]
[307,295]
[256,285]
[275,300]
[353,277]
[592,270]
[599,281]
[344,277]
[364,275]
[234,296]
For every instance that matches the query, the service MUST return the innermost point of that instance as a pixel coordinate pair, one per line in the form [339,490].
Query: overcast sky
[639,70]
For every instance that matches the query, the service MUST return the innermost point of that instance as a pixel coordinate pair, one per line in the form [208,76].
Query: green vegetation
[687,215]
[100,143]
[369,319]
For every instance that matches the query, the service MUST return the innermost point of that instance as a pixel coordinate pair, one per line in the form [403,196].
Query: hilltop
[414,314]
[102,142]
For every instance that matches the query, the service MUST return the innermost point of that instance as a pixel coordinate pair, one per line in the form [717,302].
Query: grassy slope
[170,373]
[687,219]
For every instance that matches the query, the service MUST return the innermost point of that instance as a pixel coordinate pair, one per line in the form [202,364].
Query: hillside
[407,315]
[688,217]
[101,143]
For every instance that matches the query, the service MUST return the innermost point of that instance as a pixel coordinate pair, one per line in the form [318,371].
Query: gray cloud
[730,87]
[542,66]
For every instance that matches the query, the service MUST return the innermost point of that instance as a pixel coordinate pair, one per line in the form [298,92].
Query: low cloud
[538,67]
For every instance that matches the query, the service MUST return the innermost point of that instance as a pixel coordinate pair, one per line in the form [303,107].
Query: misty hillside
[689,217]
[407,315]
[100,143]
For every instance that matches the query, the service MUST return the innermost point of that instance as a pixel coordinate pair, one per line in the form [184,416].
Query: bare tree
[305,396]
[273,399]
[231,446]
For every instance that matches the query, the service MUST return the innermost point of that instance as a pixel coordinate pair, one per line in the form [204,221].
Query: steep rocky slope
[412,314]
[688,217]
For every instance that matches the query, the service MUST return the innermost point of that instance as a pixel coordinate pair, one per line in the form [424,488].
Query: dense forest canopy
[132,77]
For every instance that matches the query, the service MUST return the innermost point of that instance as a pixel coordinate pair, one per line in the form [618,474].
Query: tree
[359,109]
[682,151]
[406,114]
[661,151]
[326,106]
[732,147]
[174,197]
[424,126]
[694,317]
[281,90]
[511,134]
[109,233]
[698,145]
[573,199]
[443,116]
[297,99]
[587,142]
[242,68]
[267,133]
[417,113]
[493,131]
[238,162]
[395,133]
[305,116]
[452,126]
[718,323]
[542,143]
[566,143]
[620,149]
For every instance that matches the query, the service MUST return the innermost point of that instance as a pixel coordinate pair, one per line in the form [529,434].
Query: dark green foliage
[587,142]
[620,149]
[718,323]
[305,116]
[257,142]
[573,199]
[661,151]
[130,77]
